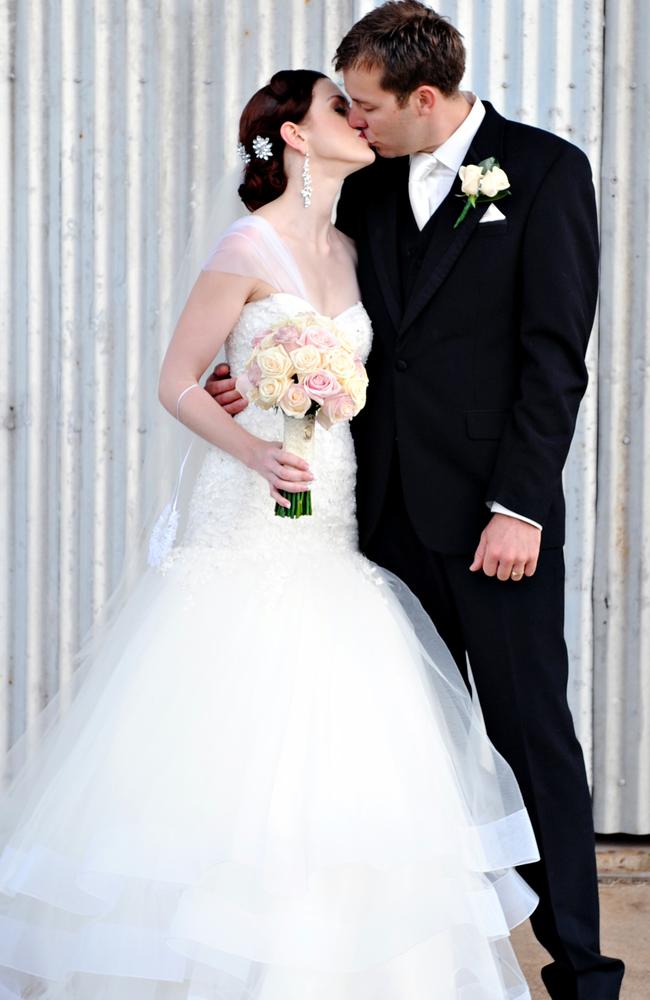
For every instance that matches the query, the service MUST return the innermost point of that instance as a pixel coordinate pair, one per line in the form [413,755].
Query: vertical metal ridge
[138,166]
[84,327]
[8,400]
[621,587]
[95,428]
[34,370]
[70,234]
[50,350]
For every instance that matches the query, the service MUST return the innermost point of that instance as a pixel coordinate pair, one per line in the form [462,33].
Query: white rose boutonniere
[482,182]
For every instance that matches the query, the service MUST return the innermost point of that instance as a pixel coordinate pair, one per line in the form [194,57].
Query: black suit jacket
[478,375]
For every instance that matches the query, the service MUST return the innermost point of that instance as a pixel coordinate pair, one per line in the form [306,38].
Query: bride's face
[329,136]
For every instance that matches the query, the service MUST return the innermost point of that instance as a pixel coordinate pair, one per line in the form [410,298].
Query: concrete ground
[624,876]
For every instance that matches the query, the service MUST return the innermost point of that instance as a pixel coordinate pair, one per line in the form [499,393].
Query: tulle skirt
[269,786]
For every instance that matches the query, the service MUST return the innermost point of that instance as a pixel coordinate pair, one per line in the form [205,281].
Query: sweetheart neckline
[299,298]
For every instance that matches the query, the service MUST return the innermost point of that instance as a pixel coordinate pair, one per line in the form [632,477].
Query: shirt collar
[452,151]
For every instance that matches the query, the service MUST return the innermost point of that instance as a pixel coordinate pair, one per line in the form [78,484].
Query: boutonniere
[482,182]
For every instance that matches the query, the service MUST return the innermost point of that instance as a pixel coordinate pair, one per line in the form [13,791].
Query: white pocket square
[492,215]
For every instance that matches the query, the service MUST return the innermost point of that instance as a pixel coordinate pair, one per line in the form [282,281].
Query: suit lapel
[382,230]
[447,243]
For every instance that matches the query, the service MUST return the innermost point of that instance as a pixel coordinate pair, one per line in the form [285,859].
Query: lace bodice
[231,508]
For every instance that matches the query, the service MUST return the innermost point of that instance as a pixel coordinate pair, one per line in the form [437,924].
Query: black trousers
[513,635]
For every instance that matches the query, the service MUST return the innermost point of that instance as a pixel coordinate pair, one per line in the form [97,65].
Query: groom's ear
[424,99]
[293,136]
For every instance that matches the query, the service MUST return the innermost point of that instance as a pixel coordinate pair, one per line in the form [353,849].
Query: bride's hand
[281,469]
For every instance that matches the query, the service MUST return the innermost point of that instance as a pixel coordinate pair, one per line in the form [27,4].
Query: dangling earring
[306,183]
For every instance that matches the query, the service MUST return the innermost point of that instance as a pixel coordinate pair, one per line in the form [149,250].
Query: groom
[476,375]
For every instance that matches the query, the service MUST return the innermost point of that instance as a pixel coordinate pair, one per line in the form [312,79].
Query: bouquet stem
[299,434]
[300,504]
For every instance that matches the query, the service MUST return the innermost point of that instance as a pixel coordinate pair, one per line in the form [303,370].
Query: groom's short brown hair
[410,44]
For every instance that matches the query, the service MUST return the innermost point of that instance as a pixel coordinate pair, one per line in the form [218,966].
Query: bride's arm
[210,313]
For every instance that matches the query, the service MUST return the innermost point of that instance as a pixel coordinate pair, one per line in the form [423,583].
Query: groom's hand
[222,388]
[507,544]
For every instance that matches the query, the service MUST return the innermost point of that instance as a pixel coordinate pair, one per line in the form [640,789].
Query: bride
[308,808]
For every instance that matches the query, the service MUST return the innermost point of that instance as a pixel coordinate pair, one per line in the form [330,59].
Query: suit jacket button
[401,365]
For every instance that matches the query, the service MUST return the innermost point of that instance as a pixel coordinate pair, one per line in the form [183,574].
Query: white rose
[274,361]
[270,390]
[340,362]
[295,401]
[253,395]
[306,360]
[493,181]
[471,178]
[268,340]
[346,341]
[356,389]
[361,370]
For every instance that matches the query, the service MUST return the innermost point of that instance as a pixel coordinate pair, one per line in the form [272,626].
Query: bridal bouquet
[309,368]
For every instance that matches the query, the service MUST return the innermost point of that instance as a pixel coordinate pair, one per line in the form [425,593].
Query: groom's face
[390,128]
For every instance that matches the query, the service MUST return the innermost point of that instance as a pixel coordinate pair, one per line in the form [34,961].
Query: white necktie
[422,167]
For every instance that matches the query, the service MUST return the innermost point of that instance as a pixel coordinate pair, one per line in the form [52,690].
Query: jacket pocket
[499,227]
[485,425]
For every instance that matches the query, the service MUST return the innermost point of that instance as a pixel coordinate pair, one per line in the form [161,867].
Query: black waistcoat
[412,243]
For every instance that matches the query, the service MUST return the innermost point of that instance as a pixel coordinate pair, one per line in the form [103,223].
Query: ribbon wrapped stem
[298,438]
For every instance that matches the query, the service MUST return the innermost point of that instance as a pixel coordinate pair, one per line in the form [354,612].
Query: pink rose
[265,338]
[335,410]
[244,386]
[320,385]
[318,337]
[249,380]
[288,337]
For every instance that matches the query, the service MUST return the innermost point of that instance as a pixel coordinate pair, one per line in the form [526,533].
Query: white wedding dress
[274,785]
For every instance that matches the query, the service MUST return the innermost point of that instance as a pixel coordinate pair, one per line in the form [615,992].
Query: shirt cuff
[498,508]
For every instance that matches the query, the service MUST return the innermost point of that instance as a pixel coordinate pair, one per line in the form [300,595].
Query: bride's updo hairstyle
[286,98]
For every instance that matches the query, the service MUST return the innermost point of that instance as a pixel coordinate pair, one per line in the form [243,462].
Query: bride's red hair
[287,97]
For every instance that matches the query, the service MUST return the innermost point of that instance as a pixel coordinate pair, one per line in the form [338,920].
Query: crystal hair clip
[261,147]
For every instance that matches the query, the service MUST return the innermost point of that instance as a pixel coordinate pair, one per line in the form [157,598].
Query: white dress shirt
[431,177]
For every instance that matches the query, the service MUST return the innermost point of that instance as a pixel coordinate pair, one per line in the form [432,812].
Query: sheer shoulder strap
[251,247]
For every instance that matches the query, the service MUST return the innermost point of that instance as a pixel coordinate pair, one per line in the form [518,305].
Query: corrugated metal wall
[115,120]
[622,576]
